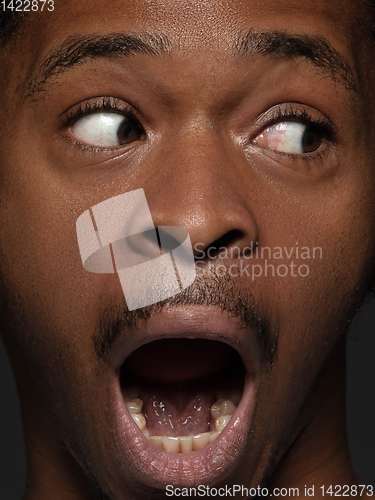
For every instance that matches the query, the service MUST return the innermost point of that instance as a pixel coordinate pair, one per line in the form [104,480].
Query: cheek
[50,301]
[330,238]
[330,235]
[52,307]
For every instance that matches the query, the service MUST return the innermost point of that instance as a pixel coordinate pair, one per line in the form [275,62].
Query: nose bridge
[195,158]
[197,185]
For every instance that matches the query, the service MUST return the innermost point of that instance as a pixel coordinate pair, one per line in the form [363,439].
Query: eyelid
[298,113]
[98,105]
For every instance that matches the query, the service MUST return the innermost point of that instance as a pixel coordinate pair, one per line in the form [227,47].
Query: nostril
[231,240]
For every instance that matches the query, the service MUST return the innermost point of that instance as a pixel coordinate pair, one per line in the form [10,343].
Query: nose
[198,183]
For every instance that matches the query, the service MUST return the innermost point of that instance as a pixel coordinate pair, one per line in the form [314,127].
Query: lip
[215,462]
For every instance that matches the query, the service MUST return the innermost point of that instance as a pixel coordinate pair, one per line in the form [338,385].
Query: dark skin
[201,110]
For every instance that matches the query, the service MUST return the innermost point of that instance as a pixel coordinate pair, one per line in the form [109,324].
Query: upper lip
[195,322]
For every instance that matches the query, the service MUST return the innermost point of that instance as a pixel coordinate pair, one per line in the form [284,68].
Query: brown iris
[311,140]
[129,131]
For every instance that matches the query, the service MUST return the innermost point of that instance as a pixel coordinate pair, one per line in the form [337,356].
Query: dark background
[360,405]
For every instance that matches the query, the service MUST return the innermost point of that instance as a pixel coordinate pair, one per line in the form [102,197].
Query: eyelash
[280,113]
[105,104]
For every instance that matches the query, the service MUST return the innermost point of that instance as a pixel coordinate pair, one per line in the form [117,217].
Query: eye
[107,129]
[291,138]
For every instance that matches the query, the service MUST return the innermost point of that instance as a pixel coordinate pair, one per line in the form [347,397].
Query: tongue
[173,416]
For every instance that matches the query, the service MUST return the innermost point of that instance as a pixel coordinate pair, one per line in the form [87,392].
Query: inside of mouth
[182,392]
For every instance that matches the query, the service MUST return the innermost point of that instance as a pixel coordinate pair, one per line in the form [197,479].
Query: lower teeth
[222,411]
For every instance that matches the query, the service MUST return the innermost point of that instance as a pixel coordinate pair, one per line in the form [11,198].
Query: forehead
[191,17]
[198,25]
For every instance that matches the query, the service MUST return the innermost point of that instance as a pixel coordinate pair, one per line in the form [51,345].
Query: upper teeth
[222,410]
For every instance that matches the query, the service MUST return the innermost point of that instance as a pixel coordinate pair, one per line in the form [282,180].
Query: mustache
[208,289]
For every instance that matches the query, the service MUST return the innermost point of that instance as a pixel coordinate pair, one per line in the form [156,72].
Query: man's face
[245,128]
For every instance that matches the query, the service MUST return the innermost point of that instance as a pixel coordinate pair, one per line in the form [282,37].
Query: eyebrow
[314,48]
[78,49]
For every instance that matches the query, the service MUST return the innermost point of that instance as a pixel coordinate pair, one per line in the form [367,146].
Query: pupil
[129,131]
[311,140]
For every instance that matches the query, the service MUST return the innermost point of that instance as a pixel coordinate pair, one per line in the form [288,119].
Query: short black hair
[10,23]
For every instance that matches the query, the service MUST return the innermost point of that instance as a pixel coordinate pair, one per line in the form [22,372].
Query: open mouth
[182,392]
[183,397]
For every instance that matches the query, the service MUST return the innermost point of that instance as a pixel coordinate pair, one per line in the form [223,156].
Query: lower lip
[211,465]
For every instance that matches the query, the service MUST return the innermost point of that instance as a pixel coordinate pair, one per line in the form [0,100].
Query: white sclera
[99,129]
[285,137]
